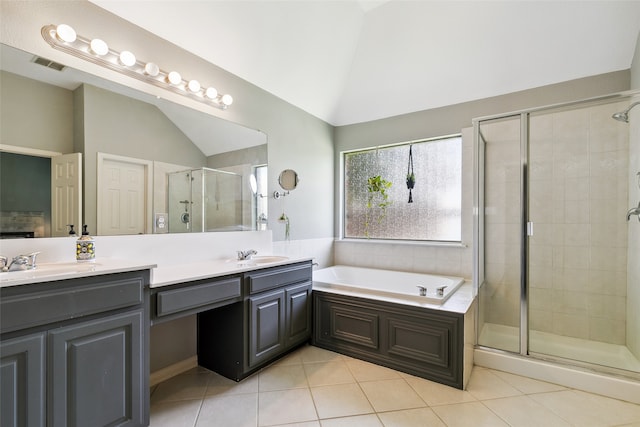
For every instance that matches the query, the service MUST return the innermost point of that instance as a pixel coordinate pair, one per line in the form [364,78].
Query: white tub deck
[393,286]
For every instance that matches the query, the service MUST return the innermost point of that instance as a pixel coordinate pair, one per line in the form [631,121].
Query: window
[435,211]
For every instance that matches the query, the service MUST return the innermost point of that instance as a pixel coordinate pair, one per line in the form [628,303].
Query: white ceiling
[351,61]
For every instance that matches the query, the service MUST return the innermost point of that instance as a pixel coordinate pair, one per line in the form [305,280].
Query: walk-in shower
[207,200]
[557,263]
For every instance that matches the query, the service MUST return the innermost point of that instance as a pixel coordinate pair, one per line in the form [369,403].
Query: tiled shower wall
[578,185]
[578,200]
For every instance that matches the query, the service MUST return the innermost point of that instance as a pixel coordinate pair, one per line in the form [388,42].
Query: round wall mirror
[288,179]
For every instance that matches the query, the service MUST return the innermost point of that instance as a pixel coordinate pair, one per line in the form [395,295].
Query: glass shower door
[578,197]
[499,290]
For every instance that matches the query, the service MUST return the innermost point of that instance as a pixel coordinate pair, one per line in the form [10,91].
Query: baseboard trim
[172,370]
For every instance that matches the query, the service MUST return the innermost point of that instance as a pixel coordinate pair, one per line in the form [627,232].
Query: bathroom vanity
[75,345]
[272,317]
[75,351]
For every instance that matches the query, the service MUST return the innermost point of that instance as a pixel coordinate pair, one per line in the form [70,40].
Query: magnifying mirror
[288,179]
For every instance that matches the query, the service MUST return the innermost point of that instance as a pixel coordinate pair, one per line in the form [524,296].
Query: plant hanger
[411,178]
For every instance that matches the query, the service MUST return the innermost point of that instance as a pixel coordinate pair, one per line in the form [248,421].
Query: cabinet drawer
[173,301]
[68,300]
[274,278]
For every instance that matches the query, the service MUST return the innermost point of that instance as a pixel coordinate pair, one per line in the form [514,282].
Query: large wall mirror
[145,165]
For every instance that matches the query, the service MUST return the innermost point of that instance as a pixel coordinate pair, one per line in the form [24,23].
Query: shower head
[623,116]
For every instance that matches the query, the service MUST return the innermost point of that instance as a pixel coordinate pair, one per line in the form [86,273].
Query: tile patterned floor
[317,388]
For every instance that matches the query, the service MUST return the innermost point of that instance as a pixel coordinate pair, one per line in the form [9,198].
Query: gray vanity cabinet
[279,321]
[273,317]
[22,381]
[267,326]
[75,352]
[96,375]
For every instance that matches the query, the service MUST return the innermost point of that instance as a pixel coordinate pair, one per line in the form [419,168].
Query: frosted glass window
[435,211]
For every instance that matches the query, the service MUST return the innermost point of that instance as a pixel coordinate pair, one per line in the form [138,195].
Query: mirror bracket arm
[278,194]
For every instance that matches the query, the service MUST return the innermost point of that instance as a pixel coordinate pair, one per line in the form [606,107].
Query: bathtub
[387,283]
[379,316]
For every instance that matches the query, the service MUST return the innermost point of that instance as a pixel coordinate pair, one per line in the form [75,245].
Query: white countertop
[160,275]
[48,272]
[180,273]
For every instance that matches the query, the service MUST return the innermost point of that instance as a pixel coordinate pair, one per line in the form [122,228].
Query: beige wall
[118,125]
[635,66]
[35,115]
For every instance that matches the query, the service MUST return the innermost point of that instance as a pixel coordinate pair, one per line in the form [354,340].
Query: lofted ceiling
[348,61]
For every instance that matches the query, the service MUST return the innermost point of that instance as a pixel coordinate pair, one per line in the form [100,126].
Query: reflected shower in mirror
[79,112]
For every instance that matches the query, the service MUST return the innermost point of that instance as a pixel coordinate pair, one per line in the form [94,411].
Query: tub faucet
[634,211]
[22,262]
[246,255]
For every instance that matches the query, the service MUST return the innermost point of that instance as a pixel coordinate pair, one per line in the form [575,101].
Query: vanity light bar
[64,38]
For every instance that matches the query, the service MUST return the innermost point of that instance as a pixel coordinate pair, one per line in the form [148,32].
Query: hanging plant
[411,177]
[377,197]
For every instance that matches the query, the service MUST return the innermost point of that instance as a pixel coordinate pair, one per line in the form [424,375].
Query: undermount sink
[269,259]
[264,259]
[52,269]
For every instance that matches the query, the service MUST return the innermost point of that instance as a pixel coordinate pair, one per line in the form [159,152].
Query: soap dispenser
[85,247]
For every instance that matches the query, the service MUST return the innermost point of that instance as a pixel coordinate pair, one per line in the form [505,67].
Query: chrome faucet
[634,211]
[246,255]
[21,262]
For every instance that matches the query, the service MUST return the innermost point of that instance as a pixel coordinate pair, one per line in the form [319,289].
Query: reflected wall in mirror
[48,111]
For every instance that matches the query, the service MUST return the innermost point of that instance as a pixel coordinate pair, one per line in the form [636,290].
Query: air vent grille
[48,63]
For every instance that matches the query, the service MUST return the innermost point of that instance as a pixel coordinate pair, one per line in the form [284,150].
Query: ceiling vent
[48,63]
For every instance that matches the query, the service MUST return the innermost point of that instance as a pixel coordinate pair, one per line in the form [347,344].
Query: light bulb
[65,33]
[227,99]
[151,69]
[127,58]
[174,78]
[194,86]
[211,93]
[99,47]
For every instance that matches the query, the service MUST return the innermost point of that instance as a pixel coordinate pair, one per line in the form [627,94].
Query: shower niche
[207,200]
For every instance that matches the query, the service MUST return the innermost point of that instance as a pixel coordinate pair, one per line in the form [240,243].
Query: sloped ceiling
[355,61]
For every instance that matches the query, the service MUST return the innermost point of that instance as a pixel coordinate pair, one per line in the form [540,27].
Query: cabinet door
[22,381]
[98,372]
[266,326]
[298,313]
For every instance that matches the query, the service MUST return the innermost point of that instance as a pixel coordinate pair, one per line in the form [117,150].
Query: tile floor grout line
[195,421]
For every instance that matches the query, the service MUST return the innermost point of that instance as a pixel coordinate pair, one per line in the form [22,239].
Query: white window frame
[342,198]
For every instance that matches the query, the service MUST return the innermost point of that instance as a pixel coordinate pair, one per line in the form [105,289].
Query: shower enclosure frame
[525,229]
